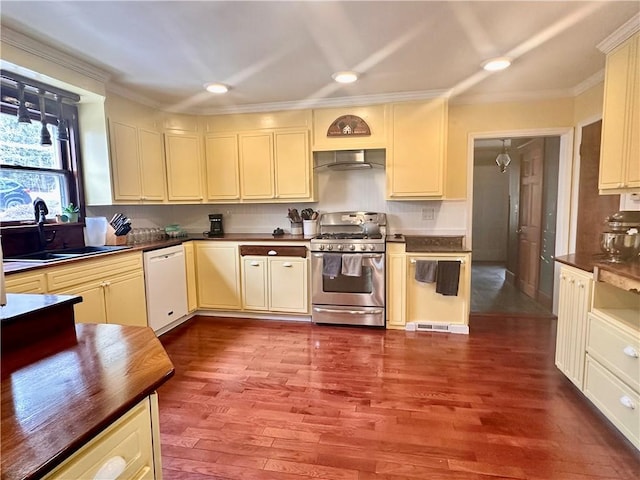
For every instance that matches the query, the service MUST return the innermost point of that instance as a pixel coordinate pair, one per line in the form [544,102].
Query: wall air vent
[436,327]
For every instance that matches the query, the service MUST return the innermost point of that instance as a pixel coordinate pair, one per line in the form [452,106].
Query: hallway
[490,293]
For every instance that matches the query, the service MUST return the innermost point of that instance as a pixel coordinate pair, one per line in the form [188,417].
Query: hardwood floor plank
[271,400]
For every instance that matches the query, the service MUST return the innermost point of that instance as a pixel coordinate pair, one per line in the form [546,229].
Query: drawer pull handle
[272,252]
[111,469]
[287,264]
[627,402]
[255,264]
[629,351]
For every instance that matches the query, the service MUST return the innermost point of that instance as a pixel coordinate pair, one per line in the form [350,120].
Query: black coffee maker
[215,230]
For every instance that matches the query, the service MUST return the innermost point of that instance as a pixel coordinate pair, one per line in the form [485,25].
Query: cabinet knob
[572,281]
[255,264]
[111,469]
[629,351]
[580,284]
[628,402]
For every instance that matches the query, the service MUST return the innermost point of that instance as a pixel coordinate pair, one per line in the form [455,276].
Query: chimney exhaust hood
[349,159]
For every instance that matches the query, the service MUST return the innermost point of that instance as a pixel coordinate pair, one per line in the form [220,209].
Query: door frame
[566,209]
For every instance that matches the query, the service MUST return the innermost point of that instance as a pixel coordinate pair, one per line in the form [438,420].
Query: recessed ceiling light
[345,77]
[216,88]
[496,64]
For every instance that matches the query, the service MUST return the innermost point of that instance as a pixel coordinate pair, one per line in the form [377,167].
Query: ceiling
[281,54]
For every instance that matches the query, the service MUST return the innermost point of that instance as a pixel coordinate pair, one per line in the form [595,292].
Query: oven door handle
[350,312]
[364,255]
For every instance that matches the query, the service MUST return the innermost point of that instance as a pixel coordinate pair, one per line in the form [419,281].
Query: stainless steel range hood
[349,159]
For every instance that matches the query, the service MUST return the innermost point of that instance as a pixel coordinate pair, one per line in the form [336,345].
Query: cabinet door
[292,165]
[573,306]
[184,167]
[396,289]
[152,166]
[254,283]
[288,285]
[620,146]
[125,300]
[256,165]
[415,164]
[92,309]
[25,283]
[223,171]
[125,162]
[218,275]
[189,258]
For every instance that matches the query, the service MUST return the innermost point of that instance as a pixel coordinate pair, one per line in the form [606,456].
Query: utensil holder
[113,239]
[296,228]
[309,227]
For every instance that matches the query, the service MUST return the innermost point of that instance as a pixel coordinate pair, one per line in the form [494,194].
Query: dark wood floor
[281,400]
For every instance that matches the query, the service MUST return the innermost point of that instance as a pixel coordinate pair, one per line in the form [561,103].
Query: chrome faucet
[40,210]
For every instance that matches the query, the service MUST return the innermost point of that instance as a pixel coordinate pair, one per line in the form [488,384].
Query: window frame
[69,151]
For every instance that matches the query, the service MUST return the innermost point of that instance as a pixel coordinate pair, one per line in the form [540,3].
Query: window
[28,169]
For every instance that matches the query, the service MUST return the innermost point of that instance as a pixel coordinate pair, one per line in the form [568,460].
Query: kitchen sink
[64,254]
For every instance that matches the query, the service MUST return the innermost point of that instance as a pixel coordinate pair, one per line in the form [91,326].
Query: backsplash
[338,191]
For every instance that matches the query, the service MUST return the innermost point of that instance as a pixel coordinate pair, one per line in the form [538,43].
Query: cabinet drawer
[94,270]
[273,250]
[614,399]
[129,438]
[616,349]
[26,283]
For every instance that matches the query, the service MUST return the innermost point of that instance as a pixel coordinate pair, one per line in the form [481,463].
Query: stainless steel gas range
[348,269]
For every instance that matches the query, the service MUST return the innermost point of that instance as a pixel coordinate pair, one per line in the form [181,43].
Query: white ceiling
[282,54]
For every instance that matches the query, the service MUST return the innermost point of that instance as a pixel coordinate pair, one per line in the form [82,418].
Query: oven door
[367,290]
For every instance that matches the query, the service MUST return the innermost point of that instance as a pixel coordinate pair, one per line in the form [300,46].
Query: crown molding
[134,96]
[626,30]
[505,97]
[34,47]
[590,82]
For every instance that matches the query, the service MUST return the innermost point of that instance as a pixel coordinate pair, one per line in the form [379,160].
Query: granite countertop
[591,262]
[60,393]
[430,243]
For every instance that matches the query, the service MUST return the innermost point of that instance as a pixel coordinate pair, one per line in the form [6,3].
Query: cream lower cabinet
[129,447]
[275,284]
[138,164]
[28,282]
[410,301]
[620,152]
[573,306]
[416,153]
[218,275]
[612,364]
[112,288]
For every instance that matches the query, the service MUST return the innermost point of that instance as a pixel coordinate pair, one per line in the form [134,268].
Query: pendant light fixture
[45,136]
[23,111]
[63,134]
[503,159]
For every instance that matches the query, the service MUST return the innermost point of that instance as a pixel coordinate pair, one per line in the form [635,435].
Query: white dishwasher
[165,281]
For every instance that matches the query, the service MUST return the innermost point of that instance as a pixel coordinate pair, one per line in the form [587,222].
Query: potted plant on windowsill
[70,213]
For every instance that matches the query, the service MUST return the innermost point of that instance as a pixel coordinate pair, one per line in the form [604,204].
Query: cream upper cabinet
[184,167]
[218,275]
[256,165]
[416,152]
[620,146]
[375,116]
[293,165]
[137,160]
[223,168]
[573,307]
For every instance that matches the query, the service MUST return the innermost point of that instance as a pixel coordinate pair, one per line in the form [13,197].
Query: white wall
[337,191]
[490,213]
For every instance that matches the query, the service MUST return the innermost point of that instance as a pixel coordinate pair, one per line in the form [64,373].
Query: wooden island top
[60,392]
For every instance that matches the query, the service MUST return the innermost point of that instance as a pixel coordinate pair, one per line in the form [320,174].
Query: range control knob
[329,247]
[372,248]
[340,247]
[362,247]
[321,247]
[352,247]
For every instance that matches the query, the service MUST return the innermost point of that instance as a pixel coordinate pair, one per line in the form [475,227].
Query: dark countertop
[430,243]
[19,305]
[59,394]
[254,237]
[588,262]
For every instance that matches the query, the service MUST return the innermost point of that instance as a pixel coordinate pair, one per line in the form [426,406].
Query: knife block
[113,239]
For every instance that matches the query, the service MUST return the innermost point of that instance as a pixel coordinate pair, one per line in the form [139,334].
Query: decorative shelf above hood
[349,159]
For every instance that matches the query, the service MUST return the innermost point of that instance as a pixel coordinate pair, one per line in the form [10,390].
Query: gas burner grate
[348,236]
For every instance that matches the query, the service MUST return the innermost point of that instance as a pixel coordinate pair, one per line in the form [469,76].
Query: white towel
[352,264]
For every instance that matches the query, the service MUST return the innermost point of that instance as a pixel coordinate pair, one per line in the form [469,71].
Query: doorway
[514,225]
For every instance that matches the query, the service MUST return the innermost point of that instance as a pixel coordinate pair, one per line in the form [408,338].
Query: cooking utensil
[294,216]
[306,214]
